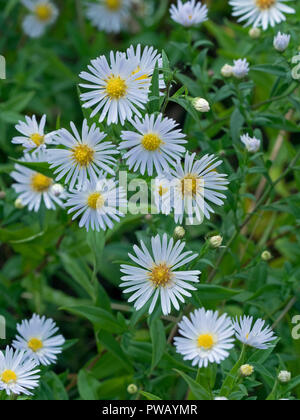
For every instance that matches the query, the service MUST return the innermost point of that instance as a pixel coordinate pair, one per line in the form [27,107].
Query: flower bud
[246,370]
[255,33]
[179,232]
[216,241]
[19,204]
[227,71]
[266,256]
[132,389]
[281,42]
[201,105]
[284,376]
[57,190]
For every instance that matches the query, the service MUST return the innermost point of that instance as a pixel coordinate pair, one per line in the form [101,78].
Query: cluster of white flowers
[35,344]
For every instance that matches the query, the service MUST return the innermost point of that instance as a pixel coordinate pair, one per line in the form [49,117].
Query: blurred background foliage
[49,265]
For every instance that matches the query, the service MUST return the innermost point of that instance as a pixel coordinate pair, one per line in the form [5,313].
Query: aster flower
[18,374]
[34,187]
[261,12]
[146,61]
[281,41]
[84,156]
[110,16]
[99,204]
[37,337]
[252,144]
[156,144]
[190,13]
[33,134]
[258,335]
[157,276]
[240,68]
[195,183]
[206,337]
[116,89]
[43,13]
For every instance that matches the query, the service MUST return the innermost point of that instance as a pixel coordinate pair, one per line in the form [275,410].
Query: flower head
[258,335]
[201,105]
[43,13]
[157,143]
[33,135]
[252,143]
[33,186]
[206,337]
[190,13]
[240,68]
[18,373]
[261,12]
[110,16]
[157,275]
[227,71]
[98,203]
[37,336]
[117,90]
[281,41]
[246,370]
[284,376]
[83,157]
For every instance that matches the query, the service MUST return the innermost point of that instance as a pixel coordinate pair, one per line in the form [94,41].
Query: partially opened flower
[84,155]
[206,337]
[110,16]
[261,12]
[281,41]
[18,373]
[33,187]
[196,183]
[146,60]
[252,144]
[240,68]
[254,334]
[98,203]
[157,276]
[190,13]
[33,133]
[43,13]
[156,144]
[37,336]
[117,90]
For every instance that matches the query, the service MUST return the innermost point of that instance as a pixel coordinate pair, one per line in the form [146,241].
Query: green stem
[232,378]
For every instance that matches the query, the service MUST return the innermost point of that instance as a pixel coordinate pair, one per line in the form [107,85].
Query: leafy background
[50,266]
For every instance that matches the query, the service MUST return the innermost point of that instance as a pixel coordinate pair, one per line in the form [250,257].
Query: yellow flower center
[162,191]
[189,185]
[43,11]
[206,341]
[83,155]
[160,275]
[35,344]
[116,87]
[95,201]
[151,142]
[37,139]
[113,4]
[8,376]
[265,4]
[40,183]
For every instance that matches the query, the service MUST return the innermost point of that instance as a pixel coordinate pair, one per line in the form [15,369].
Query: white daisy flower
[43,13]
[190,13]
[33,134]
[18,374]
[258,335]
[240,68]
[157,275]
[99,204]
[110,16]
[156,144]
[261,12]
[281,42]
[85,156]
[195,183]
[37,336]
[34,187]
[252,144]
[117,90]
[146,60]
[206,337]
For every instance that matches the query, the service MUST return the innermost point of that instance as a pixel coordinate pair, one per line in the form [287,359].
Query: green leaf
[76,271]
[149,396]
[108,341]
[87,386]
[197,390]
[159,341]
